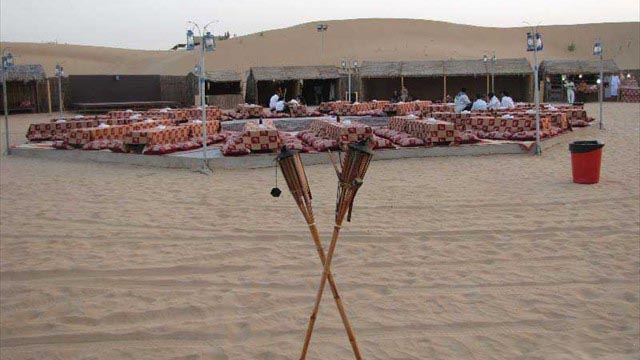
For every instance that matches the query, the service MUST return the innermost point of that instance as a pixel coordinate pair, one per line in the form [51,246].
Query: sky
[159,24]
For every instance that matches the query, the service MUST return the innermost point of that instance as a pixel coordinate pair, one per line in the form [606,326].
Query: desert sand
[492,257]
[360,39]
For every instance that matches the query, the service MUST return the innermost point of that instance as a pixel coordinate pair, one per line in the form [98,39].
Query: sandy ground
[446,258]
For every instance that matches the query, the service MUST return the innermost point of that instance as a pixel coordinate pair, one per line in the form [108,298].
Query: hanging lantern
[530,46]
[343,64]
[494,59]
[191,43]
[597,48]
[7,61]
[485,59]
[209,42]
[539,44]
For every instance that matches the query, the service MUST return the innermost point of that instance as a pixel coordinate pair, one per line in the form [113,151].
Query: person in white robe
[494,102]
[479,104]
[614,85]
[507,101]
[462,101]
[571,94]
[274,100]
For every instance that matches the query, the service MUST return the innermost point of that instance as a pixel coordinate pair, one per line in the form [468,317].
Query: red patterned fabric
[97,145]
[233,146]
[382,143]
[341,132]
[399,137]
[117,146]
[160,149]
[498,135]
[250,110]
[61,145]
[260,136]
[468,137]
[400,108]
[292,142]
[155,136]
[630,94]
[298,110]
[527,135]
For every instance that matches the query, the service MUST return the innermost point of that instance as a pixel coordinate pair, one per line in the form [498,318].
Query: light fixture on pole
[59,75]
[534,43]
[207,43]
[349,66]
[7,63]
[494,61]
[322,28]
[597,51]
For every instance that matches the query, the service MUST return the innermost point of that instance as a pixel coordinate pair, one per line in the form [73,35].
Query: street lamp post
[207,43]
[494,61]
[7,63]
[59,75]
[349,66]
[534,43]
[322,28]
[597,50]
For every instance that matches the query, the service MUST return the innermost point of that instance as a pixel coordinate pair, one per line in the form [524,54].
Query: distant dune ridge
[361,39]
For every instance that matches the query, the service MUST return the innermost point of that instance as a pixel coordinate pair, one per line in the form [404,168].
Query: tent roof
[222,76]
[430,68]
[295,72]
[562,67]
[24,73]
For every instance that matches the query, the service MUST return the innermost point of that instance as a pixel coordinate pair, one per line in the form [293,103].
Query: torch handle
[334,289]
[323,281]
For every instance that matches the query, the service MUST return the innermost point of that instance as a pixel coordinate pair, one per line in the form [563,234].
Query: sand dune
[497,257]
[364,39]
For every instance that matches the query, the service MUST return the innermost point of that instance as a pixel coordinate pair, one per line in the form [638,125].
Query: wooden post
[49,95]
[401,82]
[444,94]
[487,84]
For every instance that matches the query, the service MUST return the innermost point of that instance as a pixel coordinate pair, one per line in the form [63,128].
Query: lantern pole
[494,61]
[7,62]
[207,43]
[535,36]
[597,50]
[59,75]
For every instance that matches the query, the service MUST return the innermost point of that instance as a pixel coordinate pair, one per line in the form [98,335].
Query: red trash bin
[586,157]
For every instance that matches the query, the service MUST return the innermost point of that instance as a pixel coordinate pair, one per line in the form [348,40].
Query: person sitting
[462,101]
[280,105]
[479,104]
[404,95]
[274,100]
[507,101]
[494,102]
[396,97]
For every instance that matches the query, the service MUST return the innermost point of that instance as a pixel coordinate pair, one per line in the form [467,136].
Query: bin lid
[585,146]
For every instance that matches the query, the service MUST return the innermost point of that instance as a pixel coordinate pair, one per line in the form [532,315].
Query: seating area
[252,111]
[163,131]
[382,108]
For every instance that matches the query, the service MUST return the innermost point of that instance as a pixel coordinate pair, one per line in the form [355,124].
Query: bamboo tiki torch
[293,172]
[354,167]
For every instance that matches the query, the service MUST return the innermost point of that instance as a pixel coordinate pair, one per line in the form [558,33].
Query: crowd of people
[481,102]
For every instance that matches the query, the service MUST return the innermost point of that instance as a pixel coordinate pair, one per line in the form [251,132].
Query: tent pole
[444,94]
[49,95]
[487,83]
